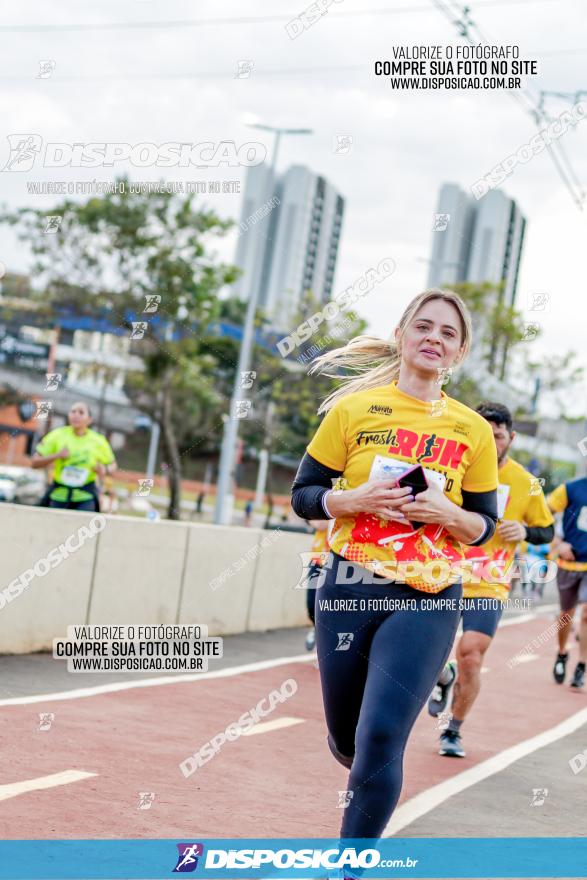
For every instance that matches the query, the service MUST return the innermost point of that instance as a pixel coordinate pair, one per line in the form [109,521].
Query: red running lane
[278,784]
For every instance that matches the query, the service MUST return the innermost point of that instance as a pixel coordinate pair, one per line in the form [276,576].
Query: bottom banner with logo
[283,858]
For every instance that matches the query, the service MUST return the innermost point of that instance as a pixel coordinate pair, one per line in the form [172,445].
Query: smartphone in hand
[415,478]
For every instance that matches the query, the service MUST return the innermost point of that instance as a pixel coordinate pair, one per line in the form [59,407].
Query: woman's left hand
[430,506]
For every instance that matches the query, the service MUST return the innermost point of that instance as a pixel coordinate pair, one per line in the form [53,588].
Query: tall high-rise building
[478,241]
[289,234]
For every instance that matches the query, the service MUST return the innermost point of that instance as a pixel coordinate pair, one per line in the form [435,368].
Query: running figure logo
[539,302]
[138,329]
[429,444]
[53,380]
[244,68]
[539,795]
[443,720]
[44,407]
[145,486]
[344,798]
[531,331]
[146,798]
[46,68]
[438,408]
[242,409]
[317,578]
[441,222]
[187,860]
[152,301]
[536,485]
[344,641]
[53,223]
[444,374]
[23,151]
[342,144]
[247,378]
[46,719]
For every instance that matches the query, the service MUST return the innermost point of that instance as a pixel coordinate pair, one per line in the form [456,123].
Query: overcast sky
[178,83]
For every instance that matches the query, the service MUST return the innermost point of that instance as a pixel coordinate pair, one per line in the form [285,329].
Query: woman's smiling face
[433,338]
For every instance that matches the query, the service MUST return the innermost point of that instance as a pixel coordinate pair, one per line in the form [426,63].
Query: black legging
[374,690]
[313,574]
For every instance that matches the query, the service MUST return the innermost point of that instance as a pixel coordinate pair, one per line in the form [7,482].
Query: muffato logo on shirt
[378,409]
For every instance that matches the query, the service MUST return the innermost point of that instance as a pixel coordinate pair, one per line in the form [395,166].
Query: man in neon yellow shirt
[523,515]
[78,455]
[570,499]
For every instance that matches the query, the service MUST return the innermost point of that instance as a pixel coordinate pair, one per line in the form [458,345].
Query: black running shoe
[579,676]
[450,745]
[560,668]
[439,697]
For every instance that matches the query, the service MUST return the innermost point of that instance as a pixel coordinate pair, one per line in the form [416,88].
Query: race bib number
[386,468]
[74,476]
[503,494]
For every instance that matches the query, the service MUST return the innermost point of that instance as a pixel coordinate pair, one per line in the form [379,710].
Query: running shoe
[560,668]
[439,697]
[311,639]
[579,676]
[450,745]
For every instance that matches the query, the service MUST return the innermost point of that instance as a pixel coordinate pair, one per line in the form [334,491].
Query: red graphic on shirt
[430,542]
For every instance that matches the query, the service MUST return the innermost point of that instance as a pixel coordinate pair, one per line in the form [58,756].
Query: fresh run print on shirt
[457,445]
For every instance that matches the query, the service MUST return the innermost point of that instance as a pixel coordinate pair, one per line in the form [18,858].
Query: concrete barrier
[139,568]
[275,603]
[232,579]
[219,575]
[30,621]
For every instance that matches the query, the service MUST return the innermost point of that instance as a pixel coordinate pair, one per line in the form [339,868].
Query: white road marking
[427,800]
[78,693]
[526,658]
[267,726]
[13,789]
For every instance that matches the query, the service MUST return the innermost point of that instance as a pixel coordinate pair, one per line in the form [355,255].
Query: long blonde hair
[376,361]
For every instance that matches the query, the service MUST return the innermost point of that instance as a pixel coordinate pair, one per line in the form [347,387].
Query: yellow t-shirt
[372,430]
[558,501]
[320,545]
[86,451]
[520,498]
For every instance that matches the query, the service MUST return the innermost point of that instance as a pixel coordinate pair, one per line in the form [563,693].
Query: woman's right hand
[63,453]
[381,497]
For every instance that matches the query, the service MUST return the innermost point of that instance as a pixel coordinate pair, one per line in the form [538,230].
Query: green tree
[112,254]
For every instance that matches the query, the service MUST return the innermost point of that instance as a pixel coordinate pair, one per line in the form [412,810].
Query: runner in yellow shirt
[78,456]
[387,609]
[523,516]
[570,499]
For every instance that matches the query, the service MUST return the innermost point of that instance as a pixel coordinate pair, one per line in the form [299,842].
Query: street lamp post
[224,496]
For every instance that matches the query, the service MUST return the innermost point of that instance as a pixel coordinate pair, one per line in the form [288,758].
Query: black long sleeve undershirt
[539,534]
[313,480]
